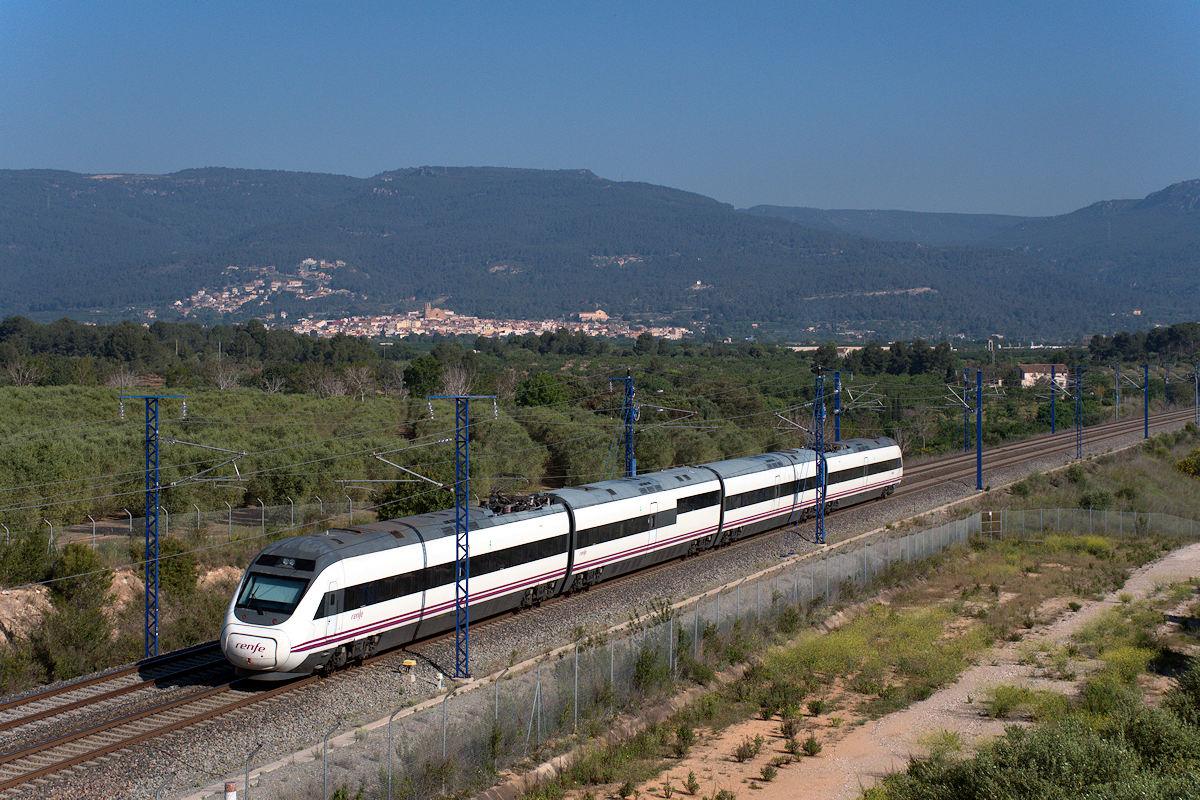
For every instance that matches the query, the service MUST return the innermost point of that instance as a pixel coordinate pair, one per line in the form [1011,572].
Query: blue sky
[1023,108]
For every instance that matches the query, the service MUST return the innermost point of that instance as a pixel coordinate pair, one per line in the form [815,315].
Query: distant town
[249,287]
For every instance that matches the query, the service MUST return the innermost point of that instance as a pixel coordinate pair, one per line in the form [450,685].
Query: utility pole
[1117,386]
[1145,401]
[153,498]
[966,411]
[462,547]
[979,430]
[1053,386]
[819,450]
[1079,413]
[1196,384]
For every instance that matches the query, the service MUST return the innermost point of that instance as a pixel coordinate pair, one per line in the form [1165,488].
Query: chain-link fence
[1027,522]
[227,524]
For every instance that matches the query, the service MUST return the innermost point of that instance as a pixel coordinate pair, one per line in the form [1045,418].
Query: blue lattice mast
[153,486]
[819,451]
[627,411]
[837,407]
[462,545]
[979,430]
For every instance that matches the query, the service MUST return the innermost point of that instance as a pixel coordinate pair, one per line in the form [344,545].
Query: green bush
[1190,465]
[79,572]
[1184,698]
[1096,499]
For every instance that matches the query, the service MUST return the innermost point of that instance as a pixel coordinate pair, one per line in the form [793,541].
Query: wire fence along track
[464,740]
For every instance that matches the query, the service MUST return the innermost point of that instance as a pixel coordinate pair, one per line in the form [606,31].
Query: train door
[653,523]
[331,609]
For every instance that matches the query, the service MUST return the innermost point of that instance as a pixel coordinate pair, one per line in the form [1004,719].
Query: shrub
[789,620]
[625,790]
[817,706]
[650,670]
[684,738]
[691,784]
[789,728]
[1184,698]
[1104,695]
[768,773]
[1190,465]
[1075,473]
[1005,699]
[811,746]
[1096,498]
[1126,662]
[72,579]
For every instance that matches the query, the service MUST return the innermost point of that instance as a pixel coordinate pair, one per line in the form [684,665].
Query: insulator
[184,416]
[429,405]
[121,409]
[495,409]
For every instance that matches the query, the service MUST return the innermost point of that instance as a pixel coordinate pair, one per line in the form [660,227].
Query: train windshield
[274,594]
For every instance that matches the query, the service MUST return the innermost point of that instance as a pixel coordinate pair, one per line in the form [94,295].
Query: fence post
[444,701]
[696,634]
[612,675]
[392,751]
[250,758]
[575,722]
[325,761]
[671,646]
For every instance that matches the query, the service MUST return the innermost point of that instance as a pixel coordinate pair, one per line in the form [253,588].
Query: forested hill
[1146,247]
[515,243]
[924,227]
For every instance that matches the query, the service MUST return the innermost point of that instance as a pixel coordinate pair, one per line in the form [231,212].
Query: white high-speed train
[314,603]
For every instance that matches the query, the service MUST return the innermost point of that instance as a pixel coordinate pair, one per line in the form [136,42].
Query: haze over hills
[925,227]
[535,244]
[1147,246]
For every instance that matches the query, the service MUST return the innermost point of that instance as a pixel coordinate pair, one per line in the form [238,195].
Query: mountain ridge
[512,242]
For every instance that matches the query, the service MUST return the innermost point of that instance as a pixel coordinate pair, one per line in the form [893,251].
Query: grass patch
[1005,701]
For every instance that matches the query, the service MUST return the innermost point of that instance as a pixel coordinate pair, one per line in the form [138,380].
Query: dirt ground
[855,755]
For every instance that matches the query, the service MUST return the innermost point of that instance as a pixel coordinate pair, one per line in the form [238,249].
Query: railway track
[31,764]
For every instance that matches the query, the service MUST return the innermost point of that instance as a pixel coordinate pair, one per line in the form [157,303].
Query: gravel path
[877,749]
[193,762]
